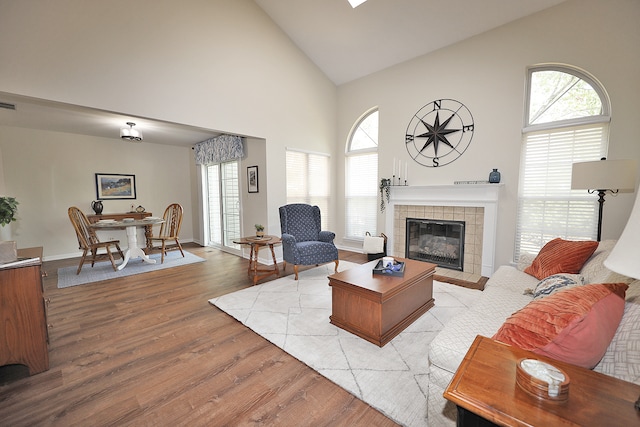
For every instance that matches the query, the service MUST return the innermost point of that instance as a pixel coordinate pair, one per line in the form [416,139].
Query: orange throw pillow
[561,256]
[574,325]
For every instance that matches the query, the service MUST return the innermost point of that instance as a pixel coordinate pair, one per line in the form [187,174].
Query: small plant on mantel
[8,209]
[259,230]
[385,192]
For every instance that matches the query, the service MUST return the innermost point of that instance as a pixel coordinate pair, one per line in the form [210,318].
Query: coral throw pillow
[574,325]
[561,256]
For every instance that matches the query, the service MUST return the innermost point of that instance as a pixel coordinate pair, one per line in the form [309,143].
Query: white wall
[487,74]
[217,64]
[224,65]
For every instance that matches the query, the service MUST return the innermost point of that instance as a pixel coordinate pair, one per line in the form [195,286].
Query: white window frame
[581,208]
[366,220]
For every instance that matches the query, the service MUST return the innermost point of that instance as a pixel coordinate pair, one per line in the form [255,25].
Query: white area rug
[104,271]
[294,315]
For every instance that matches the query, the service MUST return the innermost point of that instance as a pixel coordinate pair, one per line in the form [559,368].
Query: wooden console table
[23,316]
[377,307]
[484,389]
[148,230]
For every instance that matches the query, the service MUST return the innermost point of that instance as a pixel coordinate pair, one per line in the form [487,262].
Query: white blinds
[308,181]
[361,195]
[547,207]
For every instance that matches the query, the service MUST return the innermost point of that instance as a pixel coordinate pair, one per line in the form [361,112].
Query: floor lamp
[604,176]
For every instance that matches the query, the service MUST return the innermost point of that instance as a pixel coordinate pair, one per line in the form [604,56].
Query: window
[361,178]
[223,205]
[308,180]
[566,121]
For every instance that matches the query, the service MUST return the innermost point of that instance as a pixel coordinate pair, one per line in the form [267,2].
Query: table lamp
[604,176]
[625,255]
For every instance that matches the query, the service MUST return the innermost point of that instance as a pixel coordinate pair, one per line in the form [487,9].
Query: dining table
[133,251]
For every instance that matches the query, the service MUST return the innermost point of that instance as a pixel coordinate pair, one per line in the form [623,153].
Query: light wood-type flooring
[149,350]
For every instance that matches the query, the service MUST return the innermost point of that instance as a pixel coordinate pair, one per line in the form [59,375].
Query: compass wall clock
[439,132]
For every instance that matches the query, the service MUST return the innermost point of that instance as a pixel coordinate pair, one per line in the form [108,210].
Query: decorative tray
[397,269]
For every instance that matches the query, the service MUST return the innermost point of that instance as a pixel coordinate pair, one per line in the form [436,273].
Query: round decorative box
[542,380]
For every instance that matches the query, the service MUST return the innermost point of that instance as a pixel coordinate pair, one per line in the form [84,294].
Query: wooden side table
[256,243]
[484,389]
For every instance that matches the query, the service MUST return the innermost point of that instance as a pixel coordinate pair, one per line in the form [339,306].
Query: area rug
[67,276]
[294,315]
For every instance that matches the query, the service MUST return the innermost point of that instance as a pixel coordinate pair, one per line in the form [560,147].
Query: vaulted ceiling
[348,43]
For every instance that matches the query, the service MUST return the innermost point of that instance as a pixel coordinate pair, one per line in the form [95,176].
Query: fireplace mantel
[468,195]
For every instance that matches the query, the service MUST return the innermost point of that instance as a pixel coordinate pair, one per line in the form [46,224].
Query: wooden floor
[150,350]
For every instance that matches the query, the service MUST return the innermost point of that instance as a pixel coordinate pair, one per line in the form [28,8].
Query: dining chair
[170,230]
[88,240]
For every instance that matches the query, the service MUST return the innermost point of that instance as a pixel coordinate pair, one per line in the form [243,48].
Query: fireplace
[437,241]
[476,205]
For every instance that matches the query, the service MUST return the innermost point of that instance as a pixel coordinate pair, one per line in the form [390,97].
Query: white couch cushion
[496,303]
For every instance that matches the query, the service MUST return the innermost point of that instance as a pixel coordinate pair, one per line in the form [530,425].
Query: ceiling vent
[7,106]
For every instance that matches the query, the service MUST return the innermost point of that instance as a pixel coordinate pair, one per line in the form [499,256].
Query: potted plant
[8,209]
[385,192]
[259,230]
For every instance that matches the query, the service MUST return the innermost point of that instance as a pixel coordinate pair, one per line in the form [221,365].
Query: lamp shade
[625,256]
[604,175]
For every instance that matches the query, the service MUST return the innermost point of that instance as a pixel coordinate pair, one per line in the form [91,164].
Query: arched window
[361,177]
[566,120]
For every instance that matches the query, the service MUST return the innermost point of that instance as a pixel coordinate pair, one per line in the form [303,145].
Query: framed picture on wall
[115,186]
[252,179]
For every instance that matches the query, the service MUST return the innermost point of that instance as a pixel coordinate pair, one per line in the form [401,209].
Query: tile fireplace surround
[476,204]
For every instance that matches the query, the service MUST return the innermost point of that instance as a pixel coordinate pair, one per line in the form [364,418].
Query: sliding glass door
[223,205]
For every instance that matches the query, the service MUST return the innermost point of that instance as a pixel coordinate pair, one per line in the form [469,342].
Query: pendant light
[130,133]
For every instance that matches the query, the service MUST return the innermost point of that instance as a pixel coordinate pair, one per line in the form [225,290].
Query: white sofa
[503,295]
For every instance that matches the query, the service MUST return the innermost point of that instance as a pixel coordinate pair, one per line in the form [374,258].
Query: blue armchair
[303,243]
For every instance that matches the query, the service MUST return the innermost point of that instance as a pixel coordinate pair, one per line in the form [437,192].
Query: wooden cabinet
[23,317]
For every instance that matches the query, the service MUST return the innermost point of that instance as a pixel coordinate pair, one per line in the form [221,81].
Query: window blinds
[361,195]
[547,207]
[308,181]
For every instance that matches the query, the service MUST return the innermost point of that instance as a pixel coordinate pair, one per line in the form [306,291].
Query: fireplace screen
[437,241]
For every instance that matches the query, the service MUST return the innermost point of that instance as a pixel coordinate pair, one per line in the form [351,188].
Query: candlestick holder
[398,182]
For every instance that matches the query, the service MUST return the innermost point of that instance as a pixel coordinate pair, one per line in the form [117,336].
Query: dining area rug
[294,315]
[103,270]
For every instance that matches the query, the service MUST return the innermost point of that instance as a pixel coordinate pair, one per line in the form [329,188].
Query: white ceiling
[345,43]
[58,117]
[348,43]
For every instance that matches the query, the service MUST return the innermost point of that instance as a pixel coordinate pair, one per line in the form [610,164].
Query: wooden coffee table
[377,307]
[485,390]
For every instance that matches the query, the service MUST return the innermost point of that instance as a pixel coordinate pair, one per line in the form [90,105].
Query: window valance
[219,149]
